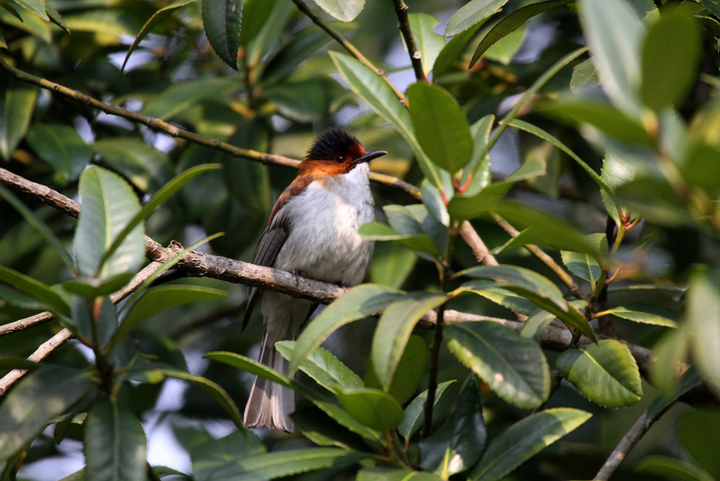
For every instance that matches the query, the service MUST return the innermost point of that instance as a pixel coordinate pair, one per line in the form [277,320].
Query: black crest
[333,143]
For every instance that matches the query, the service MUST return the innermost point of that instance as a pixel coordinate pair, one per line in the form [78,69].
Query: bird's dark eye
[340,158]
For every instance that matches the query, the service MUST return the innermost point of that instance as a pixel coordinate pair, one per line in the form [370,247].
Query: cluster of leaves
[640,114]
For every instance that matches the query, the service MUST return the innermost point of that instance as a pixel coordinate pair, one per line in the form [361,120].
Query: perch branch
[404,27]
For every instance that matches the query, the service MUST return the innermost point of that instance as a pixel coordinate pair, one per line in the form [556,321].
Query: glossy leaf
[359,302]
[222,20]
[343,10]
[61,147]
[367,85]
[440,126]
[519,277]
[667,467]
[582,265]
[115,445]
[457,445]
[473,12]
[511,22]
[428,43]
[614,34]
[35,402]
[524,439]
[670,57]
[413,420]
[108,205]
[17,109]
[394,329]
[372,407]
[35,6]
[514,367]
[343,418]
[156,18]
[34,288]
[323,367]
[605,373]
[646,314]
[408,374]
[536,324]
[162,298]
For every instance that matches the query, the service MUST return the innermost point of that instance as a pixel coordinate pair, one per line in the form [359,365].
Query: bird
[313,232]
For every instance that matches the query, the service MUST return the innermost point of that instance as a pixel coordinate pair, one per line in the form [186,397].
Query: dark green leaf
[670,58]
[614,34]
[457,445]
[472,13]
[40,397]
[35,6]
[433,200]
[605,373]
[144,166]
[17,109]
[323,367]
[394,474]
[17,363]
[115,445]
[524,439]
[450,54]
[440,126]
[391,264]
[61,147]
[408,374]
[253,367]
[372,407]
[511,22]
[666,467]
[222,20]
[428,43]
[108,205]
[536,324]
[376,231]
[90,287]
[699,435]
[582,265]
[514,367]
[179,97]
[34,288]
[654,314]
[211,455]
[414,412]
[359,302]
[93,317]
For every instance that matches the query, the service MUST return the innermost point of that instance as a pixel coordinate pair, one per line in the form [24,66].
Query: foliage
[600,161]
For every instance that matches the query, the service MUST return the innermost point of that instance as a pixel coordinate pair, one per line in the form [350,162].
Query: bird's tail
[270,404]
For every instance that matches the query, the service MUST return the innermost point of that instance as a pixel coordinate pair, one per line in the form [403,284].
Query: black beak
[368,156]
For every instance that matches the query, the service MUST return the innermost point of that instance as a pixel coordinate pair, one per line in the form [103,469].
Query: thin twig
[404,27]
[352,50]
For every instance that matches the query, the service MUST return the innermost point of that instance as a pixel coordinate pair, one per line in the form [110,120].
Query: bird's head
[335,152]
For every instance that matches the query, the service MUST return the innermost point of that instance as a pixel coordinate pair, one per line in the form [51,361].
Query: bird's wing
[273,237]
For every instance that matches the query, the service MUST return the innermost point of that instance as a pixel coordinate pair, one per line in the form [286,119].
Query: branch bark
[404,27]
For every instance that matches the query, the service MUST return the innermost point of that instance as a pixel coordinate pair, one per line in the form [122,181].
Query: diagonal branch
[404,27]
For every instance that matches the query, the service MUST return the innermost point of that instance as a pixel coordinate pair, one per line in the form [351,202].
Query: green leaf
[584,77]
[359,302]
[156,18]
[39,226]
[645,313]
[394,329]
[457,445]
[222,20]
[253,367]
[162,298]
[433,201]
[34,288]
[372,407]
[179,97]
[413,420]
[504,49]
[703,321]
[540,133]
[304,101]
[115,445]
[524,439]
[428,43]
[271,16]
[699,435]
[376,231]
[514,367]
[90,317]
[408,374]
[284,463]
[394,474]
[673,348]
[582,265]
[142,165]
[35,402]
[213,389]
[667,467]
[61,147]
[90,287]
[167,191]
[450,54]
[440,126]
[18,107]
[18,363]
[511,22]
[210,456]
[342,417]
[606,373]
[323,367]
[391,264]
[343,10]
[108,205]
[473,12]
[367,85]
[479,165]
[535,326]
[670,57]
[35,6]
[614,34]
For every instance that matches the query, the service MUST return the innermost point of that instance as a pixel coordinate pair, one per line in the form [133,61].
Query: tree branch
[347,46]
[404,27]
